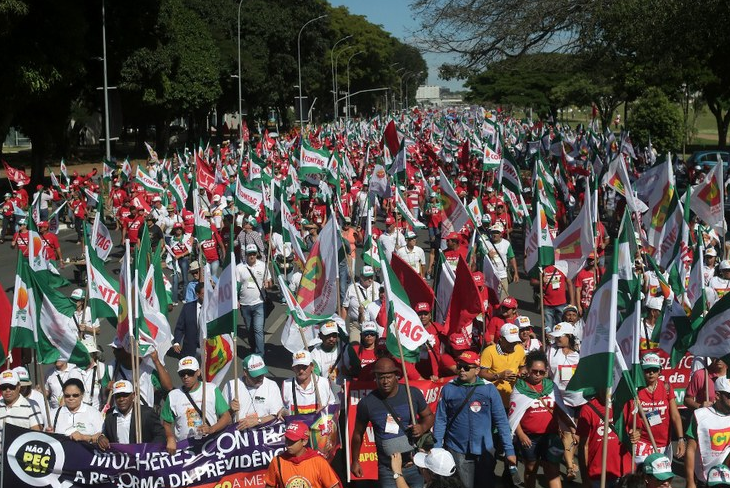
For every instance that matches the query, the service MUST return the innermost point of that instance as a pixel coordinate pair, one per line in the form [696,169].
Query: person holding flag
[20,239]
[253,278]
[502,256]
[259,399]
[179,250]
[412,254]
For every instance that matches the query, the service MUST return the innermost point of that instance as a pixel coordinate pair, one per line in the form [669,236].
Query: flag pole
[134,345]
[204,341]
[38,376]
[234,298]
[405,374]
[542,306]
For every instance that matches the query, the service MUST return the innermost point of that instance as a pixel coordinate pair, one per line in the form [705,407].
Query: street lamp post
[240,108]
[414,74]
[337,85]
[400,81]
[299,66]
[347,101]
[107,135]
[334,82]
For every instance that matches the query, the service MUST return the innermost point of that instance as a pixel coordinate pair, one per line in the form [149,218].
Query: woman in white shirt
[75,419]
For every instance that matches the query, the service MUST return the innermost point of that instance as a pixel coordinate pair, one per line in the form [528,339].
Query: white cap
[654,303]
[561,329]
[255,365]
[438,461]
[77,294]
[710,252]
[722,384]
[498,227]
[523,322]
[301,358]
[122,386]
[188,363]
[329,327]
[718,475]
[90,344]
[725,264]
[368,271]
[410,235]
[368,326]
[216,198]
[9,377]
[651,360]
[157,199]
[510,332]
[252,248]
[23,375]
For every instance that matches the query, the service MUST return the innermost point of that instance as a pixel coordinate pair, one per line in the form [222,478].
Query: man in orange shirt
[300,465]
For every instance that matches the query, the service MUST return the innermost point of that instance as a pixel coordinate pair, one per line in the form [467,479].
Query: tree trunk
[721,120]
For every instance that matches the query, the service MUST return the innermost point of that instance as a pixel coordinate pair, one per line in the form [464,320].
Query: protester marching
[394,247]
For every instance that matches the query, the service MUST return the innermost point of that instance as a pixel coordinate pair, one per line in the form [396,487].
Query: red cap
[454,236]
[39,187]
[469,357]
[478,277]
[509,302]
[177,225]
[459,342]
[423,307]
[42,223]
[296,431]
[389,221]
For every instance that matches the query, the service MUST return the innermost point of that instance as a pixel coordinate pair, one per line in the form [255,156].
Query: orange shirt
[314,472]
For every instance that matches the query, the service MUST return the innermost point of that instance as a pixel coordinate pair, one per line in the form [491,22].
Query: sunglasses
[423,313]
[365,334]
[651,370]
[122,395]
[7,387]
[465,367]
[183,374]
[538,372]
[71,395]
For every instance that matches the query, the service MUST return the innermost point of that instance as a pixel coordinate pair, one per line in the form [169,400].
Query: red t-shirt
[21,239]
[188,221]
[537,419]
[586,281]
[51,245]
[133,225]
[435,216]
[656,407]
[367,361]
[555,286]
[118,197]
[178,247]
[590,427]
[210,249]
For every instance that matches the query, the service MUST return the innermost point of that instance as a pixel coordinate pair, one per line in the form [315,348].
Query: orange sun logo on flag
[21,298]
[37,246]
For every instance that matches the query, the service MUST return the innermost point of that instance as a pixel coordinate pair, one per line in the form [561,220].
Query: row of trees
[575,52]
[174,59]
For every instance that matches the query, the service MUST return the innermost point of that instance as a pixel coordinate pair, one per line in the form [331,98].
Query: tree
[655,118]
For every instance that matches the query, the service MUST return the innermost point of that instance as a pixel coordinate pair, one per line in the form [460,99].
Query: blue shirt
[190,290]
[471,430]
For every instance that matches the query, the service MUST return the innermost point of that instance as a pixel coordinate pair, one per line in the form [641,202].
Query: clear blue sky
[397,18]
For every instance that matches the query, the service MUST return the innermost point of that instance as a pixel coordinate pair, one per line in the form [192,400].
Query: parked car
[708,159]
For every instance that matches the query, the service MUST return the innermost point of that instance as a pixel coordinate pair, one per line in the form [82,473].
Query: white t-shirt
[325,360]
[92,382]
[84,317]
[391,242]
[146,387]
[305,397]
[500,265]
[562,367]
[37,401]
[187,419]
[249,293]
[124,424]
[55,380]
[85,420]
[415,257]
[258,402]
[359,295]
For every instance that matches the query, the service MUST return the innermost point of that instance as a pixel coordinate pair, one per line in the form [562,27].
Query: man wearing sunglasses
[15,409]
[119,424]
[182,412]
[468,409]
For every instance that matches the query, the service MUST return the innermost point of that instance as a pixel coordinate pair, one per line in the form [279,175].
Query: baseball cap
[389,221]
[188,363]
[296,431]
[23,375]
[122,386]
[469,357]
[458,342]
[651,360]
[510,332]
[570,308]
[156,199]
[195,266]
[329,327]
[453,236]
[410,235]
[524,322]
[423,307]
[486,219]
[369,327]
[177,225]
[216,198]
[301,358]
[368,271]
[718,475]
[659,466]
[654,303]
[255,365]
[90,345]
[509,302]
[43,223]
[77,294]
[561,329]
[708,252]
[722,384]
[252,249]
[22,222]
[497,228]
[724,264]
[439,461]
[9,377]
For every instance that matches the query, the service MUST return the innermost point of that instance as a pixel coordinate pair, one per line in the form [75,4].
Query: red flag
[390,137]
[204,174]
[16,175]
[466,301]
[415,286]
[6,310]
[464,157]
